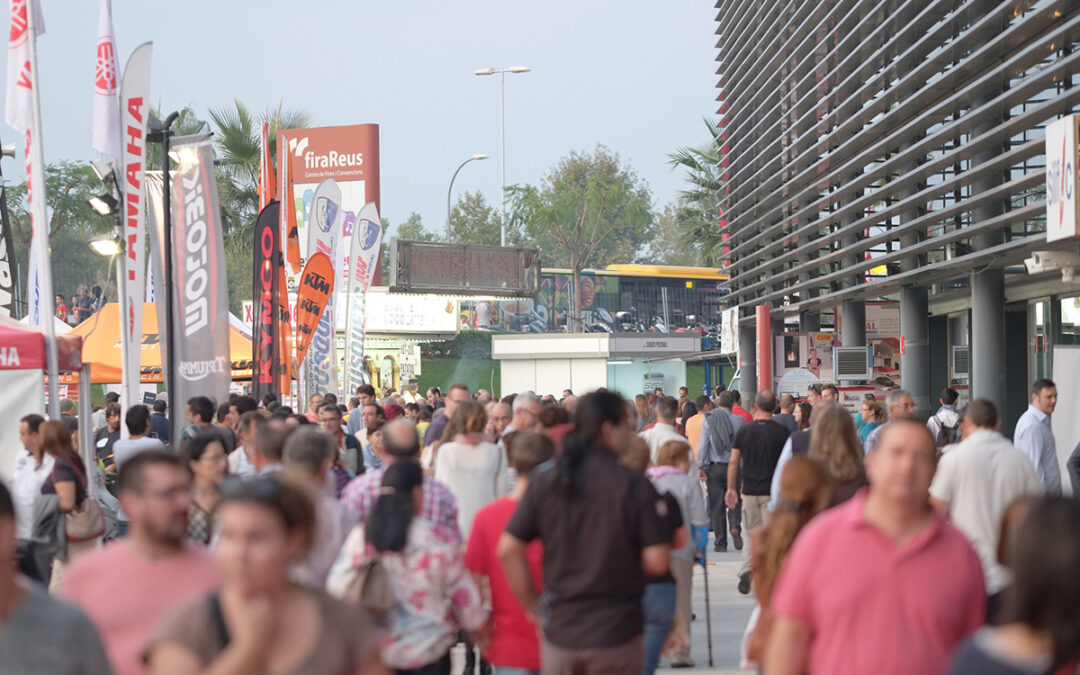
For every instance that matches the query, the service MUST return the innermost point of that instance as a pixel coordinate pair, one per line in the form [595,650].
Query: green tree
[698,212]
[668,245]
[412,229]
[473,221]
[72,223]
[591,209]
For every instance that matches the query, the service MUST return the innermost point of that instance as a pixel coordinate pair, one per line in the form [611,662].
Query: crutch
[702,539]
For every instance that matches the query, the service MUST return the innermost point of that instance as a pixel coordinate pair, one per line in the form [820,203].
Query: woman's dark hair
[55,439]
[194,448]
[388,525]
[688,411]
[286,498]
[805,409]
[1045,591]
[552,416]
[592,412]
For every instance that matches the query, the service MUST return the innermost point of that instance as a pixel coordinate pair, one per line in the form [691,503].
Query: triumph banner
[366,236]
[135,107]
[200,293]
[265,338]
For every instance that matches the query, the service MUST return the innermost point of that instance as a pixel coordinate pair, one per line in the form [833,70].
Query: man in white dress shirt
[1034,437]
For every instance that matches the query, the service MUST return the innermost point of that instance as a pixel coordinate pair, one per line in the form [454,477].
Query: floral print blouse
[434,596]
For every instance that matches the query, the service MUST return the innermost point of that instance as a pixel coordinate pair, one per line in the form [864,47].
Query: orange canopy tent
[101,348]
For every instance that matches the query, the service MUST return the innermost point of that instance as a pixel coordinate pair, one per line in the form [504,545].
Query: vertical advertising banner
[265,340]
[332,173]
[364,250]
[7,259]
[135,108]
[201,319]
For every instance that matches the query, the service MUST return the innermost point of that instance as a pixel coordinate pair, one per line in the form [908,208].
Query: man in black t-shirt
[109,434]
[604,531]
[758,446]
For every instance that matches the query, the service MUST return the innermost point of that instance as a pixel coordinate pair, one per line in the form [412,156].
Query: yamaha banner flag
[201,307]
[135,97]
[265,335]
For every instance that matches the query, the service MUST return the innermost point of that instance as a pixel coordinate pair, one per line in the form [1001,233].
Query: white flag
[136,108]
[106,134]
[18,110]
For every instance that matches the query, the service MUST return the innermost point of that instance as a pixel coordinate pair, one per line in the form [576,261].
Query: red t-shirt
[514,641]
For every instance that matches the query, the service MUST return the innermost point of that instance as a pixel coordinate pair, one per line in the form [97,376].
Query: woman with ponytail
[434,596]
[805,490]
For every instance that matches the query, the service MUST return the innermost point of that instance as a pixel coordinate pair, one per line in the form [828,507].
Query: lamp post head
[518,69]
[485,71]
[106,245]
[480,156]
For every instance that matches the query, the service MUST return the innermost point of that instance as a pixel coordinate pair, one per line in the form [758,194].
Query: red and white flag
[18,109]
[106,134]
[22,111]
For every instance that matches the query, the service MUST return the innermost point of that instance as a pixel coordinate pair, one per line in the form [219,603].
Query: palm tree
[237,134]
[698,208]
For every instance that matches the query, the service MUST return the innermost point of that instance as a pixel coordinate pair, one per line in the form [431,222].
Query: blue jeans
[658,604]
[506,670]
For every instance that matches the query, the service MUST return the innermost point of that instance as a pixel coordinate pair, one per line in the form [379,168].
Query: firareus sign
[328,175]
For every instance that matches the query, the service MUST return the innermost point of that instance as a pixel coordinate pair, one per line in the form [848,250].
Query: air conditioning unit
[960,364]
[853,363]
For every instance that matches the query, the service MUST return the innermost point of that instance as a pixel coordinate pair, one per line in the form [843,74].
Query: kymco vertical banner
[201,318]
[265,342]
[135,107]
[349,156]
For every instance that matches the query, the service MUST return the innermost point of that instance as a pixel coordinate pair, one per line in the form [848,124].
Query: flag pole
[36,177]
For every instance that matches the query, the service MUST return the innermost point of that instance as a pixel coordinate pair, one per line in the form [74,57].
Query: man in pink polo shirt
[880,584]
[131,584]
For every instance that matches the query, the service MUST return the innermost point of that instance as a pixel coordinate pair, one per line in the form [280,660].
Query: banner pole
[36,176]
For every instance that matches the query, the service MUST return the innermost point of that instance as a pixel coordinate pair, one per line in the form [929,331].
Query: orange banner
[316,285]
[292,232]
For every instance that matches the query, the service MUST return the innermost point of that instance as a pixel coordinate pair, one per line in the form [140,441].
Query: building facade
[893,149]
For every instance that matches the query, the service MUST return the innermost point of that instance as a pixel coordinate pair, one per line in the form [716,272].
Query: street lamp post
[502,139]
[161,132]
[451,189]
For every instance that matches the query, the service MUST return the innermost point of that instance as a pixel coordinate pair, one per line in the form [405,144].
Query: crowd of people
[554,534]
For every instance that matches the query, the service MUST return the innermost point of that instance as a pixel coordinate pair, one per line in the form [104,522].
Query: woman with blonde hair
[872,416]
[804,492]
[835,444]
[473,468]
[643,410]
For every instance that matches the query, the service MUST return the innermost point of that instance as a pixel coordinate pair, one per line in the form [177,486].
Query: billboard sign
[420,267]
[333,173]
[1062,207]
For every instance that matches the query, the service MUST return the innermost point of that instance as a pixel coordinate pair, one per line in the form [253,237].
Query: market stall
[22,385]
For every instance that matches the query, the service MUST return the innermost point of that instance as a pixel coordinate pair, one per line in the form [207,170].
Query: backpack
[946,435]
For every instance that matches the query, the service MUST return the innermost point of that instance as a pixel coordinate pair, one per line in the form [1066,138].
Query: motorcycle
[628,322]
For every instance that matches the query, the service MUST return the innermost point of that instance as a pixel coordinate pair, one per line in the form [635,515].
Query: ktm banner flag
[200,289]
[265,340]
[327,176]
[316,286]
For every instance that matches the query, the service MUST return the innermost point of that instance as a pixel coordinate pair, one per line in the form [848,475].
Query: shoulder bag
[86,521]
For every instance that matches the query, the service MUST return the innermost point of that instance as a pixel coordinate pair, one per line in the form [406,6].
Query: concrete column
[853,327]
[915,361]
[987,286]
[764,347]
[748,362]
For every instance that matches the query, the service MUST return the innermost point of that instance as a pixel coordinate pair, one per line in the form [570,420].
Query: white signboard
[409,362]
[1061,178]
[408,313]
[729,331]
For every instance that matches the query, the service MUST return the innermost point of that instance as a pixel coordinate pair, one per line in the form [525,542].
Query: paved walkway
[730,611]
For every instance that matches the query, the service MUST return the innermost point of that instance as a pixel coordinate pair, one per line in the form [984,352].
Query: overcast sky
[634,75]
